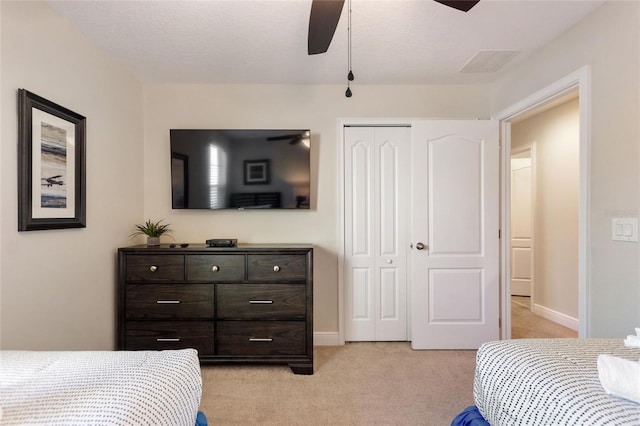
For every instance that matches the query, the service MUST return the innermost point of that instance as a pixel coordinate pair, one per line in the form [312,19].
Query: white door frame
[580,80]
[373,122]
[531,147]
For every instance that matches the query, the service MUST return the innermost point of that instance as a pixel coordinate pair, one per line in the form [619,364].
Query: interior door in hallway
[521,221]
[376,164]
[455,220]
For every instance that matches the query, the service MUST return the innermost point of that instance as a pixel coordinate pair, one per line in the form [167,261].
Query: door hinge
[499,233]
[499,322]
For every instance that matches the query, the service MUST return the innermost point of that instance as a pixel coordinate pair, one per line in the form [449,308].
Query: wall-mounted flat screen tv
[240,169]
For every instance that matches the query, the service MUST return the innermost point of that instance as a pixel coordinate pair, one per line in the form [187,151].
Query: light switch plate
[624,229]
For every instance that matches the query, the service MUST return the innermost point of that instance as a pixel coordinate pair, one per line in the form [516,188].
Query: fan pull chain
[350,76]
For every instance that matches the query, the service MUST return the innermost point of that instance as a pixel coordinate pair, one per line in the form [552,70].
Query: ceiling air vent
[488,61]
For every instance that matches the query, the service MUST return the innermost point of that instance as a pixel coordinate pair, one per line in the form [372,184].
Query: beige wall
[609,41]
[266,106]
[555,133]
[58,286]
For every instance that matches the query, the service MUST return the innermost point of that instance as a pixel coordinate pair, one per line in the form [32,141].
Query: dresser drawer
[260,337]
[215,268]
[276,268]
[159,335]
[155,269]
[169,301]
[256,301]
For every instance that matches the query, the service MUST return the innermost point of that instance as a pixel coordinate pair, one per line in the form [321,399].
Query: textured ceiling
[265,41]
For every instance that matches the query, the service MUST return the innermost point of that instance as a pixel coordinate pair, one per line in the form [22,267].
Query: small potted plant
[153,231]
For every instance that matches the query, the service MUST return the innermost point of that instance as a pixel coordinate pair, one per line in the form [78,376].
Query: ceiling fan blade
[463,5]
[283,137]
[323,21]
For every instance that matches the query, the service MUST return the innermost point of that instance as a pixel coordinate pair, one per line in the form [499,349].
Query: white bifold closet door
[377,188]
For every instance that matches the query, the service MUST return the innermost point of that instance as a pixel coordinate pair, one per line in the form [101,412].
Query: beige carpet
[356,384]
[525,324]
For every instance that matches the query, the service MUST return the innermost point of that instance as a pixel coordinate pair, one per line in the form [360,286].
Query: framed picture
[256,172]
[51,165]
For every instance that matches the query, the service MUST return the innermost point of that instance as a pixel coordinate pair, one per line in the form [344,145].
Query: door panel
[361,295]
[376,182]
[455,295]
[454,177]
[454,279]
[360,191]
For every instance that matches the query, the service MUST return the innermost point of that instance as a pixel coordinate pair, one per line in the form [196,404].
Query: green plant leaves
[151,229]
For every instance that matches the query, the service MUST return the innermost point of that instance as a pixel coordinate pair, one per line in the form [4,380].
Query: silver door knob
[215,268]
[276,268]
[420,246]
[153,268]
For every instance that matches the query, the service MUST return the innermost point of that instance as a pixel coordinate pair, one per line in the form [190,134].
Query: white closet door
[455,211]
[377,164]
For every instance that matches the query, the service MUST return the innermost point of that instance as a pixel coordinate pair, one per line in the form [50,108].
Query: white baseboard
[326,338]
[556,317]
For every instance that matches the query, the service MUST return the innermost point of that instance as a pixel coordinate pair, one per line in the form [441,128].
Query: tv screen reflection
[240,169]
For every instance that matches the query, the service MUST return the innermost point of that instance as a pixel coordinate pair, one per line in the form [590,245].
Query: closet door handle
[260,302]
[167,302]
[420,246]
[167,340]
[254,339]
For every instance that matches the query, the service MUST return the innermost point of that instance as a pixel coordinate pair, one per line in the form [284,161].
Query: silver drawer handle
[153,268]
[260,340]
[215,268]
[167,340]
[167,302]
[260,302]
[276,268]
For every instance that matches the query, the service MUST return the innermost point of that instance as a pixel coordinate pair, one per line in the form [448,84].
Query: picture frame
[51,165]
[257,172]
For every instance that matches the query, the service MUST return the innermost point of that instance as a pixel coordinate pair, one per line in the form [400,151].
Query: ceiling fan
[325,15]
[293,138]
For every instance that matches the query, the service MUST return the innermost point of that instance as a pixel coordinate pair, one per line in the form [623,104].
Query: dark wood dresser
[244,304]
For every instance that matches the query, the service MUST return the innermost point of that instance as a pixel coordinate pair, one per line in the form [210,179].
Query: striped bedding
[100,388]
[549,382]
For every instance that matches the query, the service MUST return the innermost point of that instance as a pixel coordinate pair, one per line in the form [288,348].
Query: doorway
[548,306]
[376,214]
[575,84]
[522,219]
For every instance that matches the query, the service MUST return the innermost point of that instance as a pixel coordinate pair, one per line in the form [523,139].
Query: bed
[547,382]
[100,388]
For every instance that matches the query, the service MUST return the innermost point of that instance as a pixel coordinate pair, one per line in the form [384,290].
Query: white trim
[341,237]
[531,147]
[580,80]
[327,338]
[534,208]
[555,316]
[505,226]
